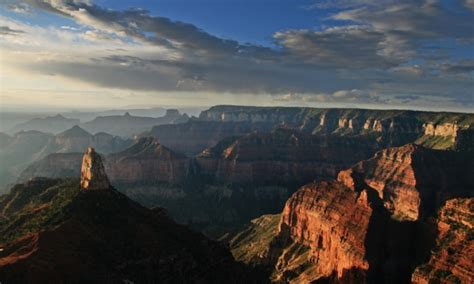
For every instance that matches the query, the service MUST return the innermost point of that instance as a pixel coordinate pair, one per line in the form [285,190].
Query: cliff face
[332,221]
[374,224]
[194,136]
[393,127]
[147,162]
[283,156]
[452,260]
[412,181]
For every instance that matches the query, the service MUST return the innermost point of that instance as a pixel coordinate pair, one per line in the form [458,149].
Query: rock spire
[93,175]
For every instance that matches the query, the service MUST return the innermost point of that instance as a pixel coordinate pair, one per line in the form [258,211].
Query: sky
[79,54]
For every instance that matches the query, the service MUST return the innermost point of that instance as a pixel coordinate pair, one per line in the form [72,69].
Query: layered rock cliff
[392,127]
[374,224]
[147,162]
[413,181]
[332,221]
[283,156]
[452,259]
[193,137]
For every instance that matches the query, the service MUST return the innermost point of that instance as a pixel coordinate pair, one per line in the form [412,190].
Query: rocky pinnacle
[93,175]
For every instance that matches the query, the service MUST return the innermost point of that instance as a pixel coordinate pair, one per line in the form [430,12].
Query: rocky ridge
[73,232]
[452,260]
[374,224]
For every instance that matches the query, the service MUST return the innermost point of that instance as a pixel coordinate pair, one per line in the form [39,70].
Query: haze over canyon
[202,141]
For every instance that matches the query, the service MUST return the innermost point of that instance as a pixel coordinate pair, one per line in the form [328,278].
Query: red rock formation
[283,156]
[147,162]
[407,176]
[452,259]
[93,175]
[373,224]
[332,220]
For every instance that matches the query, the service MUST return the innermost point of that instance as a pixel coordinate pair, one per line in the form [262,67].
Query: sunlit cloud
[377,54]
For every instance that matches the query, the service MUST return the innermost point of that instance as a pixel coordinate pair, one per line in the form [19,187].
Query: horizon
[96,55]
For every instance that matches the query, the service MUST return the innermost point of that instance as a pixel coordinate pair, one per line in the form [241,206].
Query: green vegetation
[436,142]
[38,206]
[255,239]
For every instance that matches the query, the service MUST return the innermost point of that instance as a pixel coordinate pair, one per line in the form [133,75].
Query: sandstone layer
[374,224]
[452,259]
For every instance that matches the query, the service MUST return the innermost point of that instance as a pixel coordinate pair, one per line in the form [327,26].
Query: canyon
[53,229]
[375,223]
[299,194]
[19,151]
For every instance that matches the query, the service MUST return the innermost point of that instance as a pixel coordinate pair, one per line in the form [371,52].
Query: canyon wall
[373,224]
[452,260]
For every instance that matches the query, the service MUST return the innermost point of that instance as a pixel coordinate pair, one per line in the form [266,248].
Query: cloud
[469,4]
[21,8]
[4,30]
[379,51]
[466,66]
[346,47]
[139,25]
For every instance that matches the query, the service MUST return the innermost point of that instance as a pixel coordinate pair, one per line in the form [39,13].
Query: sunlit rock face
[376,223]
[93,175]
[452,259]
[332,220]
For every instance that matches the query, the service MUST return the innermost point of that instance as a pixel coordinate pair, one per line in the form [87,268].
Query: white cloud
[368,58]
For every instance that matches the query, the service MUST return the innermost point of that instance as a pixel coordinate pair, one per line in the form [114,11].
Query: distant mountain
[135,111]
[58,229]
[26,147]
[50,124]
[128,125]
[5,139]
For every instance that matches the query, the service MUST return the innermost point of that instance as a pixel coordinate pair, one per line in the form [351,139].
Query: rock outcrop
[27,147]
[332,221]
[51,230]
[193,137]
[412,181]
[283,156]
[392,127]
[147,162]
[452,259]
[373,224]
[93,176]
